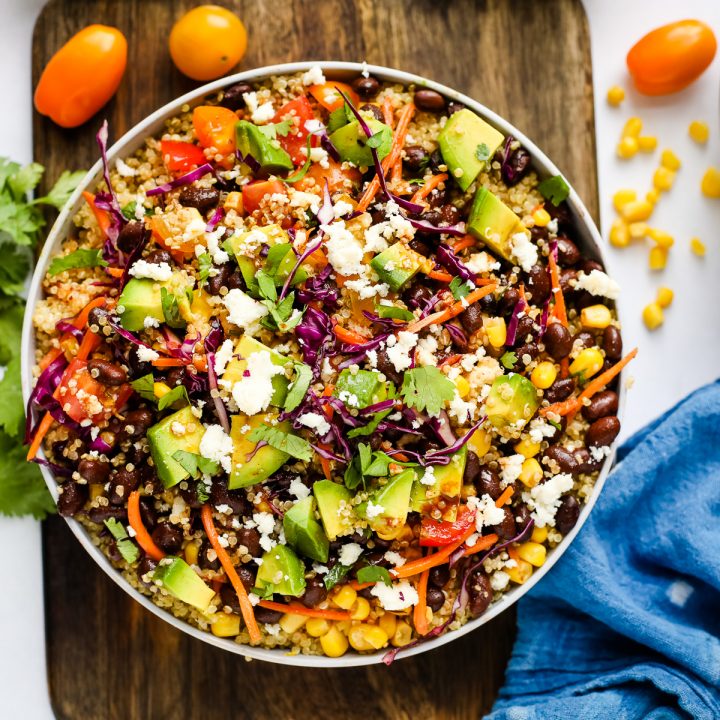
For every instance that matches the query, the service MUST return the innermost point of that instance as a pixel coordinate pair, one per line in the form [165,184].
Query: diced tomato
[435,533]
[181,156]
[215,127]
[160,234]
[84,398]
[299,111]
[337,177]
[328,96]
[253,193]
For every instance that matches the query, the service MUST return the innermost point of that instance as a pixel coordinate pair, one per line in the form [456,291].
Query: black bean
[435,598]
[202,198]
[159,256]
[488,483]
[167,537]
[417,295]
[538,284]
[602,404]
[263,615]
[250,538]
[529,349]
[558,430]
[122,483]
[147,512]
[145,566]
[481,593]
[385,366]
[429,100]
[374,110]
[568,276]
[220,495]
[104,512]
[450,214]
[420,247]
[516,166]
[560,455]
[603,431]
[522,516]
[524,328]
[218,279]
[612,343]
[560,390]
[136,423]
[72,499]
[439,576]
[366,87]
[207,557]
[584,339]
[106,372]
[94,471]
[454,106]
[557,340]
[589,265]
[436,160]
[233,96]
[472,467]
[568,253]
[416,158]
[539,233]
[315,593]
[131,236]
[507,528]
[508,300]
[586,462]
[471,319]
[567,514]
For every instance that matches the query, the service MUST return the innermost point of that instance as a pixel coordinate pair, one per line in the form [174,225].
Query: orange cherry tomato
[254,192]
[215,127]
[336,176]
[328,96]
[671,57]
[82,75]
[207,42]
[179,156]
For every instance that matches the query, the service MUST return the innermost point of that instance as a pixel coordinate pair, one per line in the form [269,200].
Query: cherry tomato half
[299,111]
[215,127]
[82,75]
[179,156]
[254,192]
[671,57]
[435,533]
[328,96]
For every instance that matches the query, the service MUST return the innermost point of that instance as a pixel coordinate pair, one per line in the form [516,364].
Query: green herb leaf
[145,387]
[205,264]
[482,152]
[266,284]
[394,312]
[275,256]
[353,476]
[509,360]
[125,546]
[459,288]
[24,180]
[176,395]
[80,258]
[335,574]
[202,491]
[22,488]
[14,268]
[272,130]
[375,141]
[293,445]
[128,211]
[299,386]
[195,464]
[63,189]
[426,388]
[554,189]
[170,308]
[374,574]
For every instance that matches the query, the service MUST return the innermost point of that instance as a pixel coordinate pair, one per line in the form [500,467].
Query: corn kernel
[632,128]
[587,363]
[343,626]
[191,553]
[652,196]
[225,625]
[595,316]
[657,259]
[480,442]
[637,211]
[652,316]
[462,386]
[661,238]
[292,622]
[532,552]
[317,627]
[699,131]
[521,572]
[619,233]
[539,534]
[664,297]
[388,622]
[334,643]
[402,635]
[160,389]
[544,374]
[531,472]
[622,198]
[698,247]
[361,609]
[627,147]
[496,331]
[670,160]
[366,637]
[345,597]
[663,179]
[647,143]
[541,217]
[527,448]
[615,95]
[710,184]
[96,490]
[637,230]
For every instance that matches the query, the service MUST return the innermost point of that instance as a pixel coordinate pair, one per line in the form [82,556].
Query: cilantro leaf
[170,308]
[25,180]
[335,574]
[374,574]
[177,394]
[14,268]
[125,546]
[426,388]
[293,445]
[482,152]
[195,464]
[299,386]
[145,387]
[63,189]
[266,285]
[509,360]
[80,258]
[12,408]
[205,264]
[22,489]
[202,491]
[394,312]
[128,211]
[554,189]
[459,288]
[375,140]
[275,256]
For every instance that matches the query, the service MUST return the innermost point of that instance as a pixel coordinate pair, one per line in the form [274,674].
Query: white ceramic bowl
[587,235]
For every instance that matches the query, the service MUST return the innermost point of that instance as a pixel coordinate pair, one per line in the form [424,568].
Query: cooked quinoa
[302,408]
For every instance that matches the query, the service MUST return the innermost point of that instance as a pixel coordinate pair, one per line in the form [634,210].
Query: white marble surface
[672,361]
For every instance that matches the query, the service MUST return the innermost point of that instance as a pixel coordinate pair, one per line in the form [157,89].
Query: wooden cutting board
[109,659]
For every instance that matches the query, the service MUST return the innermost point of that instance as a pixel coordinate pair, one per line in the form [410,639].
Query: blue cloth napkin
[627,624]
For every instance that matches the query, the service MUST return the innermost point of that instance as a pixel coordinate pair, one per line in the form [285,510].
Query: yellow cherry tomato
[207,42]
[671,57]
[82,75]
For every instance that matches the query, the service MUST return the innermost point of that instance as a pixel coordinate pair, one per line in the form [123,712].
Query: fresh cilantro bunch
[22,490]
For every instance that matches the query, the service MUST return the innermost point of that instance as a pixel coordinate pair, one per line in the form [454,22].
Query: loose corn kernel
[191,553]
[657,259]
[652,316]
[388,622]
[480,442]
[366,637]
[595,316]
[521,572]
[638,230]
[652,196]
[160,389]
[541,217]
[661,238]
[670,160]
[663,179]
[698,247]
[587,362]
[710,184]
[345,597]
[699,131]
[544,374]
[622,198]
[233,202]
[334,643]
[343,626]
[615,95]
[531,472]
[632,128]
[292,622]
[96,490]
[361,609]
[619,233]
[664,297]
[462,386]
[317,627]
[647,143]
[527,448]
[637,211]
[539,534]
[496,331]
[627,148]
[225,625]
[533,552]
[402,635]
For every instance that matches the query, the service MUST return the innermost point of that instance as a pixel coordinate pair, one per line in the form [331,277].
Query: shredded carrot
[141,534]
[299,609]
[115,272]
[355,585]
[200,362]
[451,360]
[89,342]
[163,362]
[401,457]
[349,336]
[420,610]
[84,314]
[560,311]
[102,216]
[483,543]
[388,112]
[440,276]
[463,243]
[512,552]
[45,425]
[454,310]
[246,607]
[564,368]
[325,462]
[428,186]
[505,496]
[414,567]
[50,357]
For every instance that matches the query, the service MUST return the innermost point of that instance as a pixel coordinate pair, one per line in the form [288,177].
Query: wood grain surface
[529,60]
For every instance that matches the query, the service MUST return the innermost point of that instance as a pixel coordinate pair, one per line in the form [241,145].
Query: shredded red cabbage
[186,179]
[515,163]
[42,393]
[250,161]
[449,260]
[108,201]
[114,323]
[428,227]
[330,149]
[315,337]
[215,337]
[216,217]
[456,333]
[377,407]
[451,449]
[326,214]
[318,287]
[57,470]
[134,255]
[66,327]
[440,426]
[513,324]
[215,394]
[385,322]
[327,454]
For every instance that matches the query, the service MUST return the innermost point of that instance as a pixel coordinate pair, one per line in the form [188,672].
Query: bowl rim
[135,137]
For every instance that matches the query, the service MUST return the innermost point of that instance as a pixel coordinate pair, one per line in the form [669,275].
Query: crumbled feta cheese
[341,207]
[154,271]
[599,453]
[265,522]
[367,289]
[511,468]
[395,558]
[299,489]
[123,169]
[320,569]
[253,598]
[260,114]
[178,429]
[349,398]
[428,477]
[544,500]
[243,311]
[146,354]
[217,445]
[481,262]
[314,76]
[150,321]
[598,283]
[426,349]
[371,357]
[305,200]
[223,356]
[315,421]
[461,410]
[523,251]
[487,513]
[344,252]
[398,352]
[254,390]
[372,510]
[396,597]
[499,580]
[320,156]
[349,554]
[219,256]
[539,429]
[273,629]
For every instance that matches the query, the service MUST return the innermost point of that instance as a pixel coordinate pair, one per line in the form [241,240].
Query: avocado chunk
[179,431]
[253,140]
[304,532]
[493,222]
[334,504]
[180,580]
[387,507]
[360,389]
[399,264]
[263,462]
[444,493]
[512,401]
[139,299]
[351,142]
[246,347]
[281,571]
[465,139]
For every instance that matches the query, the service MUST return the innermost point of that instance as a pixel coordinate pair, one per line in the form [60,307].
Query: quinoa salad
[321,366]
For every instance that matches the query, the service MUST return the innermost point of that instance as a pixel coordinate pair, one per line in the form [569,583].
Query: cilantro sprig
[80,258]
[293,445]
[554,189]
[426,389]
